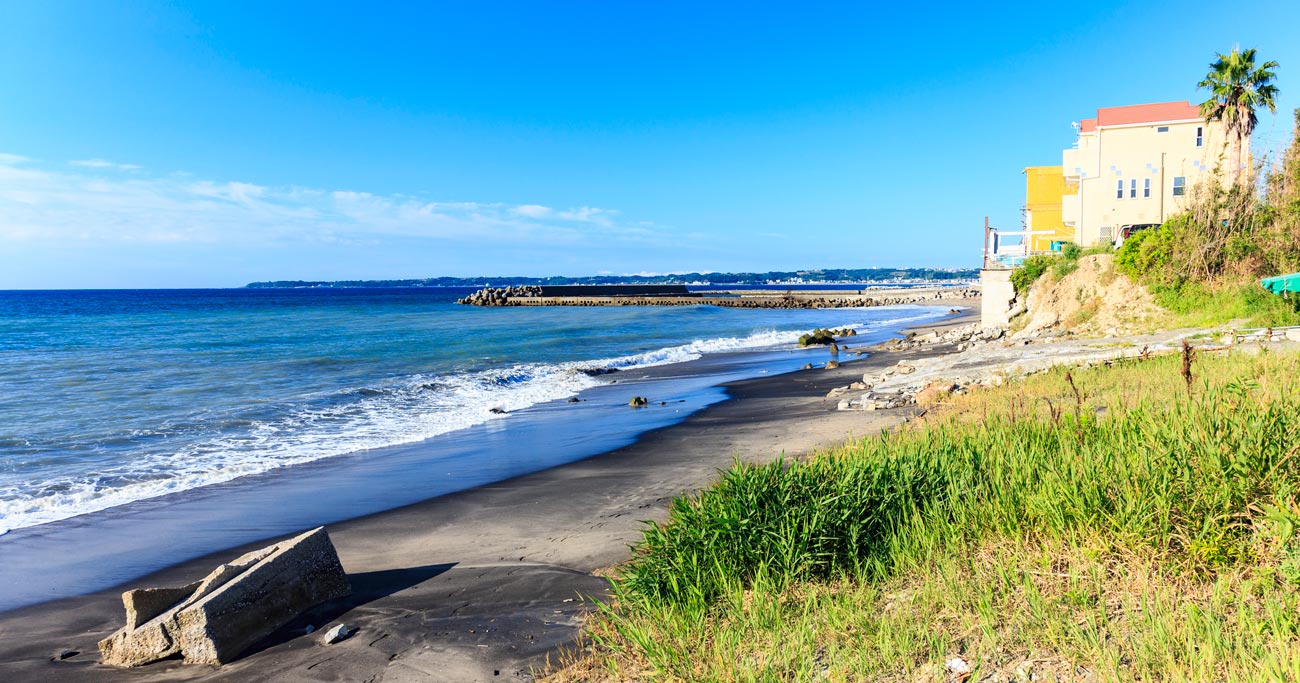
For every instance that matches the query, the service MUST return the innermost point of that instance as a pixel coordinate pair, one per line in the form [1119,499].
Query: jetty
[678,295]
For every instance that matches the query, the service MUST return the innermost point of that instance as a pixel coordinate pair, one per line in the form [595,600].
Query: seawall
[528,296]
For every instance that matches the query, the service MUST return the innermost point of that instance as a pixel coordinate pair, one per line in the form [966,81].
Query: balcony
[1078,162]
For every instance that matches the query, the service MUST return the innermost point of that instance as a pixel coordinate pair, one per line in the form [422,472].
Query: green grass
[1136,529]
[1152,258]
[1247,304]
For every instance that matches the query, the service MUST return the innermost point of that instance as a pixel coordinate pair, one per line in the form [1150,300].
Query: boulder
[214,620]
[817,337]
[334,635]
[832,364]
[638,401]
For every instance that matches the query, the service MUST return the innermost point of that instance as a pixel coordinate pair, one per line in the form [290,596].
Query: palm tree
[1237,87]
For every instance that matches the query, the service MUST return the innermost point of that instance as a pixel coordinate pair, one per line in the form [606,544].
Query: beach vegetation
[1133,522]
[1028,272]
[1057,265]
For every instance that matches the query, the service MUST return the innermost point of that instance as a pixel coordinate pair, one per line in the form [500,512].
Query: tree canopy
[1237,88]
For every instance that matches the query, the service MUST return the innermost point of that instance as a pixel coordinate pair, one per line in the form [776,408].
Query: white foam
[404,411]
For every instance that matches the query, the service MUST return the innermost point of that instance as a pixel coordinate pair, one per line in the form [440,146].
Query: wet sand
[484,584]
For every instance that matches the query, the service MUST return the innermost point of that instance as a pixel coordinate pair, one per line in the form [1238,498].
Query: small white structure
[998,294]
[997,297]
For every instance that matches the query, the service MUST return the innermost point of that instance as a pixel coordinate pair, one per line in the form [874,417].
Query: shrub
[1027,273]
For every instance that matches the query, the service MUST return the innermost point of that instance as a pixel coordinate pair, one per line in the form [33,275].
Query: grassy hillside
[1120,523]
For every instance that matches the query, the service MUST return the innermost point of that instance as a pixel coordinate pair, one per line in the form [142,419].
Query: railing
[1004,260]
[1262,334]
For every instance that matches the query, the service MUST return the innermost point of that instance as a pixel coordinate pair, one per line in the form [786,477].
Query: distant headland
[828,276]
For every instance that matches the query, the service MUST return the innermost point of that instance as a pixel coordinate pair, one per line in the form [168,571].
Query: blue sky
[210,144]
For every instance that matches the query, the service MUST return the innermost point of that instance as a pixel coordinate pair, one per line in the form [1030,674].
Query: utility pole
[986,241]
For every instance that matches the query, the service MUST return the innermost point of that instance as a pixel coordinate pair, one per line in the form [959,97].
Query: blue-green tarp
[1282,283]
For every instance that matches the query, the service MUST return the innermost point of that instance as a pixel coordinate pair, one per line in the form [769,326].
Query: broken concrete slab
[143,604]
[214,620]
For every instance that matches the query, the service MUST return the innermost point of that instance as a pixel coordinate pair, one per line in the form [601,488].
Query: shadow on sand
[366,587]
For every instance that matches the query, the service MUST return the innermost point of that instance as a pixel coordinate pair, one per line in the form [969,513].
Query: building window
[1146,188]
[1162,129]
[1180,186]
[1119,189]
[1200,136]
[1133,189]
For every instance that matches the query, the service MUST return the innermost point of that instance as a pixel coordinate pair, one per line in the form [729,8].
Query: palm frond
[1237,88]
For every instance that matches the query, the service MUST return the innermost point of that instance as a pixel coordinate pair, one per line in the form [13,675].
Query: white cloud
[533,210]
[103,163]
[589,214]
[78,205]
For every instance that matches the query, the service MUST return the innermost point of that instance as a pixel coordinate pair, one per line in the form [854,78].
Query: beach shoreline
[485,583]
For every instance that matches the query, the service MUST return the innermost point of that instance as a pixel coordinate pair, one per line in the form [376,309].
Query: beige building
[1136,165]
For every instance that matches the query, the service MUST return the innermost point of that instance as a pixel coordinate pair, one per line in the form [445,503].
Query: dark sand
[484,584]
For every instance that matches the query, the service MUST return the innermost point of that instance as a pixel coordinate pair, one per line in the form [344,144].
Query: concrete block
[215,620]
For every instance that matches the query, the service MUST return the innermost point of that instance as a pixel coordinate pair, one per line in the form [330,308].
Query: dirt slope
[1094,300]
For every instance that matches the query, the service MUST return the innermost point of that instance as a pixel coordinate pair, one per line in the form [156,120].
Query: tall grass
[1115,529]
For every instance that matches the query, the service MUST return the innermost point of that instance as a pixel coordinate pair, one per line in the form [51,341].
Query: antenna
[1074,125]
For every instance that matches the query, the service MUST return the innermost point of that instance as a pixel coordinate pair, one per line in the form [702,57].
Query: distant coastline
[893,276]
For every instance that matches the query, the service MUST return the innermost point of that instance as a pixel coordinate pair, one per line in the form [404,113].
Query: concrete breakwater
[534,296]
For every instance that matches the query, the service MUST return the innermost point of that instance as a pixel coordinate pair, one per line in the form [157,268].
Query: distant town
[799,277]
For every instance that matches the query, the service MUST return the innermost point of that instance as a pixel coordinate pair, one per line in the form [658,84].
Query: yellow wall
[1044,187]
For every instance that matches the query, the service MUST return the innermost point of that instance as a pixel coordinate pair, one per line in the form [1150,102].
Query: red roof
[1146,113]
[1087,125]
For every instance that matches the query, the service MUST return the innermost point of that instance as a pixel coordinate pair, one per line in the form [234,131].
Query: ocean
[134,410]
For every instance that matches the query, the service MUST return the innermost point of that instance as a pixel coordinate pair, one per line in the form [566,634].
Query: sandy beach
[484,584]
